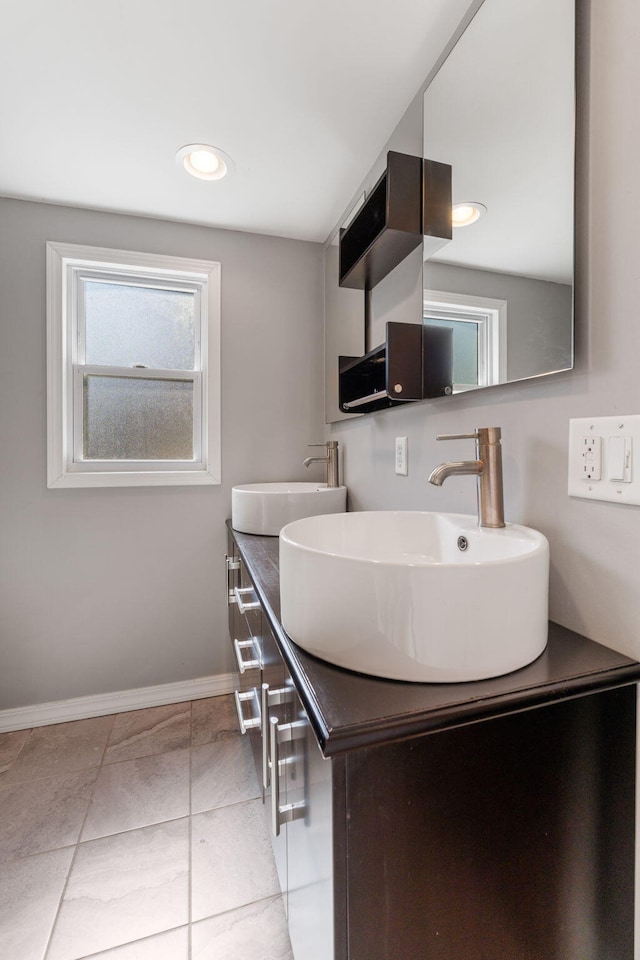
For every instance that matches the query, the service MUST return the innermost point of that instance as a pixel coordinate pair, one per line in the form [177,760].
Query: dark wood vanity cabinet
[511,838]
[454,822]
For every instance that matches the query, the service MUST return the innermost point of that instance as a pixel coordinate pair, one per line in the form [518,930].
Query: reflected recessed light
[204,161]
[463,214]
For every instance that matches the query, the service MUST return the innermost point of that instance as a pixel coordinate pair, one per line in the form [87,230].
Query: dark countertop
[350,710]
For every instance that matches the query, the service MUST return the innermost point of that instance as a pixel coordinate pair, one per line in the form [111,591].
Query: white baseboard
[81,708]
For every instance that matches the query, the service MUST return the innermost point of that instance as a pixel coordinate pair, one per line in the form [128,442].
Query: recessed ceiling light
[204,161]
[463,214]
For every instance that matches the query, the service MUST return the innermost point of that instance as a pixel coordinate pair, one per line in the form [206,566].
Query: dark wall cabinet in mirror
[394,218]
[412,364]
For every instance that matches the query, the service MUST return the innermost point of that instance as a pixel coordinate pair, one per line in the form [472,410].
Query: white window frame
[67,265]
[490,317]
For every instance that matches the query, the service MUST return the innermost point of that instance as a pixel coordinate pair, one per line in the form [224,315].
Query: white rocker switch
[601,452]
[620,459]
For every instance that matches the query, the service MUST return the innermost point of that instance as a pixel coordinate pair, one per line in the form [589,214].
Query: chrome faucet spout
[455,467]
[308,460]
[488,469]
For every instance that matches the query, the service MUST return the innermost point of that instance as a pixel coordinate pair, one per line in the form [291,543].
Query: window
[479,327]
[133,368]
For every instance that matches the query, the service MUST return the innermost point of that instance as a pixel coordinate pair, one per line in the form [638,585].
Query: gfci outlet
[401,456]
[604,459]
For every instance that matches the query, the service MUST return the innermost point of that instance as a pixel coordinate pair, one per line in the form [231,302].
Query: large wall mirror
[501,111]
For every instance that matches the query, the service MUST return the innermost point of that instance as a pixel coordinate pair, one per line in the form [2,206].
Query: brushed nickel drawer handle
[242,606]
[283,733]
[244,698]
[251,663]
[231,564]
[270,698]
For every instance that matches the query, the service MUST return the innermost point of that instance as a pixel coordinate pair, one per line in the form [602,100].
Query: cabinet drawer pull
[251,663]
[242,606]
[283,733]
[270,698]
[244,698]
[265,736]
[231,564]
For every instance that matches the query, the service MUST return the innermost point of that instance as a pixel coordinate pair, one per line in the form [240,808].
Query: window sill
[142,478]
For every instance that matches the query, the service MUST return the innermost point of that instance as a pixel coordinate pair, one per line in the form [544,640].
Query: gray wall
[595,547]
[106,590]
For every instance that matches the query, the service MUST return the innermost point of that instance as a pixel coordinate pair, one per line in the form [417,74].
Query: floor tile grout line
[76,848]
[129,943]
[52,776]
[144,826]
[241,906]
[144,756]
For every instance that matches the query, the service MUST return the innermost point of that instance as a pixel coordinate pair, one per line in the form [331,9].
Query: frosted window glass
[127,325]
[130,419]
[465,348]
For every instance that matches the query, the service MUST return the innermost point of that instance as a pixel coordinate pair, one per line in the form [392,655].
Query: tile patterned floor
[139,836]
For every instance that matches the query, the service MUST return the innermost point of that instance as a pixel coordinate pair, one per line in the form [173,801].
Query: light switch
[619,458]
[401,456]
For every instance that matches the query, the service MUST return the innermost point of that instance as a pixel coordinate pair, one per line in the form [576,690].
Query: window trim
[62,469]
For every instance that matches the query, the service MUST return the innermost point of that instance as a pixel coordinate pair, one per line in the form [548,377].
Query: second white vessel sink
[428,597]
[265,508]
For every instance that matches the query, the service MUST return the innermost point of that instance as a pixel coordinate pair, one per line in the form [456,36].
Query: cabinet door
[309,844]
[510,838]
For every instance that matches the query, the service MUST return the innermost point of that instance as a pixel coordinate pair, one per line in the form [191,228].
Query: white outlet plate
[596,445]
[402,466]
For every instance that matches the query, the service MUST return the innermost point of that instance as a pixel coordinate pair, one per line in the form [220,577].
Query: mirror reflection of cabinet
[410,201]
[501,111]
[413,363]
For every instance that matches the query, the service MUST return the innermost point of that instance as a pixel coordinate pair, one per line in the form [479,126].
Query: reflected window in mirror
[478,325]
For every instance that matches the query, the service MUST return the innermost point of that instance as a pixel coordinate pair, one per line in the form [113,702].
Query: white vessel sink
[391,594]
[266,507]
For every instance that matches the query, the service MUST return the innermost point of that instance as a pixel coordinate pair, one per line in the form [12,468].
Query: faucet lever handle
[484,435]
[457,436]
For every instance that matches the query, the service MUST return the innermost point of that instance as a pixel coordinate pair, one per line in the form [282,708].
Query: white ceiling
[97,97]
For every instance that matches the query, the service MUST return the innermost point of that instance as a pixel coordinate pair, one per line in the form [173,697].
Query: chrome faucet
[331,460]
[487,467]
